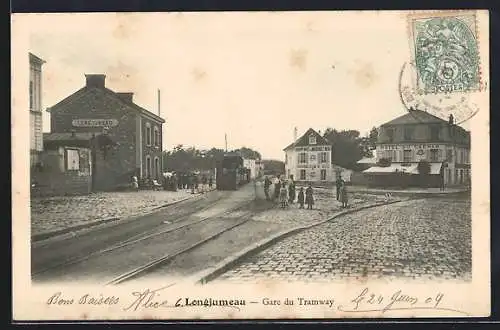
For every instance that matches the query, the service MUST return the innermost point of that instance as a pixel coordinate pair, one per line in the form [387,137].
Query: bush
[384,162]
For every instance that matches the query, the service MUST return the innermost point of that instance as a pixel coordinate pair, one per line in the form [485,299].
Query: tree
[248,153]
[347,147]
[273,166]
[181,159]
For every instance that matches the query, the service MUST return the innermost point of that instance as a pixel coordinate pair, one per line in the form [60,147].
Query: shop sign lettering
[94,122]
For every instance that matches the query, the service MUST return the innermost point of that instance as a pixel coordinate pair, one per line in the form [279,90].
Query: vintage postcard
[240,165]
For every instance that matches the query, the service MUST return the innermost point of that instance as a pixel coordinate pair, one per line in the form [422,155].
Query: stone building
[419,136]
[125,138]
[309,159]
[35,104]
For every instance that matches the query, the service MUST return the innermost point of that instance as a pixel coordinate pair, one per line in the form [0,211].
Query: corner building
[420,136]
[135,132]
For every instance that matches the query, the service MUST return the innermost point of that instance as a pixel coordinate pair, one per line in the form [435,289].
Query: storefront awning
[436,168]
[410,169]
[393,168]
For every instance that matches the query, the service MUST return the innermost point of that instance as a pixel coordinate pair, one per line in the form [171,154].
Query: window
[32,96]
[312,157]
[312,139]
[323,175]
[407,157]
[435,133]
[148,134]
[449,155]
[390,134]
[434,155]
[156,136]
[147,171]
[408,133]
[302,174]
[302,158]
[157,167]
[390,154]
[72,160]
[324,157]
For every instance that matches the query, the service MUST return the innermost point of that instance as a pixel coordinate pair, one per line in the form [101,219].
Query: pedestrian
[309,197]
[291,192]
[277,187]
[267,184]
[135,183]
[338,184]
[441,177]
[196,183]
[174,182]
[300,198]
[344,195]
[203,183]
[210,182]
[283,196]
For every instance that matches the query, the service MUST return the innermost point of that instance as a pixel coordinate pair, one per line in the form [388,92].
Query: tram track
[48,255]
[146,245]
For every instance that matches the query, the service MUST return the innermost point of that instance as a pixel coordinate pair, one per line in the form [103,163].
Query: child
[283,196]
[300,198]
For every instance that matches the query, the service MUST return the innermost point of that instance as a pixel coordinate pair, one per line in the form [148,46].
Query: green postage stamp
[445,52]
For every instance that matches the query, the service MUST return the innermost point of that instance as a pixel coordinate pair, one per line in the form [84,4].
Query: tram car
[230,173]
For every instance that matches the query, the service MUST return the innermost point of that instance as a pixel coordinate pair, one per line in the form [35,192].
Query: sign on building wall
[94,122]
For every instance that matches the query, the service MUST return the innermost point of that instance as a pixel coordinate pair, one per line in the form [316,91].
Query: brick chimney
[95,80]
[127,97]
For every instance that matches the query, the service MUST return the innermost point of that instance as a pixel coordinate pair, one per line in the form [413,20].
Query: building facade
[35,104]
[309,159]
[419,136]
[251,164]
[125,138]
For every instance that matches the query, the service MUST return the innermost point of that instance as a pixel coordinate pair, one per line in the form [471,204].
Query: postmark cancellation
[445,51]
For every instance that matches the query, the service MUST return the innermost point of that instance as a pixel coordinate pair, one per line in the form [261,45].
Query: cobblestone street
[416,239]
[54,213]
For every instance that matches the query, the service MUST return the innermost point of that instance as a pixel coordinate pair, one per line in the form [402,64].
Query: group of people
[177,181]
[285,193]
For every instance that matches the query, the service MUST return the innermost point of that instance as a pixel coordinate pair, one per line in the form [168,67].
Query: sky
[253,76]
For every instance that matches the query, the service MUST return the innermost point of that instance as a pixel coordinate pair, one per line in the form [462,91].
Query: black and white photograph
[239,165]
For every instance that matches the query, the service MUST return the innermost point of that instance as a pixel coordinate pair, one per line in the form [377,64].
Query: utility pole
[159,102]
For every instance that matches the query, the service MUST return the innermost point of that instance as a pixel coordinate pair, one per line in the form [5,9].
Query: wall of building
[313,164]
[54,179]
[251,164]
[35,104]
[150,149]
[117,166]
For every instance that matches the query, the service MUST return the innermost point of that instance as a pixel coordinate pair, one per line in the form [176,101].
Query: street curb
[213,272]
[51,234]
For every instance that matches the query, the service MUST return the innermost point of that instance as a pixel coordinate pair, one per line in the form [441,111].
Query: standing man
[309,197]
[203,183]
[338,185]
[441,176]
[267,184]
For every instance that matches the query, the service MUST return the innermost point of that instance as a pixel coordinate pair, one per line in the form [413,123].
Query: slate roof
[84,90]
[416,117]
[303,141]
